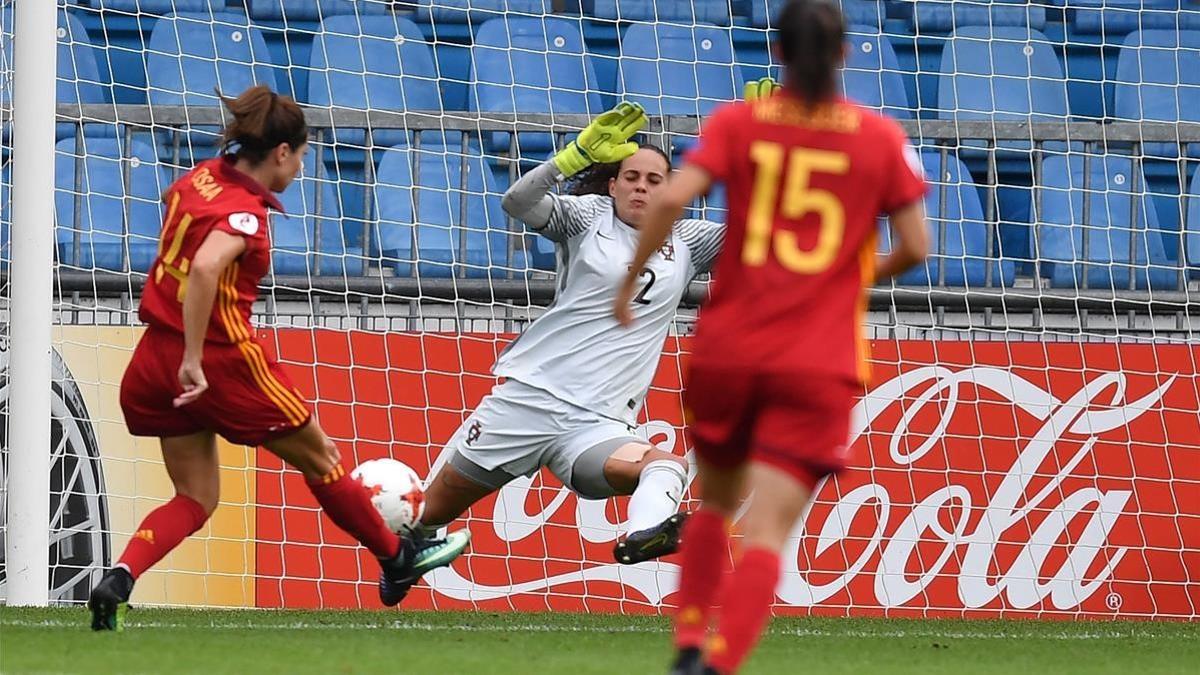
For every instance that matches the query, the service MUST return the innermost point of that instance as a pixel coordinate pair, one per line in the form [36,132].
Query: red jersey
[212,196]
[804,189]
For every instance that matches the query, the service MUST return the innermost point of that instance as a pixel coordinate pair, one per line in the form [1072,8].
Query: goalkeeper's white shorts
[517,429]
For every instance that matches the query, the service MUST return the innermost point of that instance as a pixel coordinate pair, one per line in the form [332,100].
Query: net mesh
[1028,442]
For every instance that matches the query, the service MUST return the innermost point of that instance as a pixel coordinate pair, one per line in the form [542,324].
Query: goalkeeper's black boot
[417,556]
[110,600]
[662,539]
[688,661]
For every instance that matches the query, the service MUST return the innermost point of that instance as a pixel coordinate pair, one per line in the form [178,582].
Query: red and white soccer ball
[395,491]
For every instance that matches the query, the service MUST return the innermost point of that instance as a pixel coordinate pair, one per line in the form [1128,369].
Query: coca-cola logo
[1002,517]
[1032,478]
[978,523]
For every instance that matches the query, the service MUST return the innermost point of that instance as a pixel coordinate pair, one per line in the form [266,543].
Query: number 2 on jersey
[641,298]
[798,200]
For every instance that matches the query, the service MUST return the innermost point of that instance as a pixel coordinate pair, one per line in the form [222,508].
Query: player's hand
[761,88]
[623,306]
[191,378]
[605,140]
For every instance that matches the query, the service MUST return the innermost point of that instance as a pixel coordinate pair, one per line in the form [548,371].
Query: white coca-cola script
[890,551]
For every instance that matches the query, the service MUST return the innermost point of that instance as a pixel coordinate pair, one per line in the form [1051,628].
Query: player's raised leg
[191,462]
[655,480]
[403,558]
[453,490]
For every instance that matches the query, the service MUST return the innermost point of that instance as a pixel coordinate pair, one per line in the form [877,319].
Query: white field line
[541,628]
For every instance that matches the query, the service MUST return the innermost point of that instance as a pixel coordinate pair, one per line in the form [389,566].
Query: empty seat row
[108,215]
[78,78]
[1095,228]
[437,214]
[1098,17]
[542,65]
[716,12]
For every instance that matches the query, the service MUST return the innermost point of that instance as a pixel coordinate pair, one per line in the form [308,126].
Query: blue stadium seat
[859,12]
[703,11]
[309,10]
[92,211]
[190,55]
[531,66]
[1117,17]
[1001,73]
[309,203]
[958,231]
[1158,79]
[1092,244]
[538,254]
[872,73]
[159,6]
[1191,248]
[377,63]
[78,72]
[941,17]
[678,70]
[713,207]
[478,11]
[448,242]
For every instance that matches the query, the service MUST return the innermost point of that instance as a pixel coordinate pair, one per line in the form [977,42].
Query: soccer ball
[395,491]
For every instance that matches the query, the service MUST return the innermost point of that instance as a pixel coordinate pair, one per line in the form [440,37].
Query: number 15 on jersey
[793,169]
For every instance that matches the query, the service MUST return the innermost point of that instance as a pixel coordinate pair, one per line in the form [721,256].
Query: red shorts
[249,400]
[797,422]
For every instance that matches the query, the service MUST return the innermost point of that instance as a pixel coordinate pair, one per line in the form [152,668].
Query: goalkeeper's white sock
[657,497]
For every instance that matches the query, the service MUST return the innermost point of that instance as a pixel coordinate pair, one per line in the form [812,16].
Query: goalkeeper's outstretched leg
[597,460]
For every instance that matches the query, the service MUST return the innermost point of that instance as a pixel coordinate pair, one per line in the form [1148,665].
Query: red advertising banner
[990,478]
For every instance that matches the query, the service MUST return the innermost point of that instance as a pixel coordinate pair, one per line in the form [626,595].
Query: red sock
[160,532]
[348,506]
[705,553]
[745,609]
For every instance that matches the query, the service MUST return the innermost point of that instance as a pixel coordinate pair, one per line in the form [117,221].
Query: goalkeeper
[575,380]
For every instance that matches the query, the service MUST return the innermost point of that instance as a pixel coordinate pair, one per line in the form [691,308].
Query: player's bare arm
[912,237]
[685,187]
[216,253]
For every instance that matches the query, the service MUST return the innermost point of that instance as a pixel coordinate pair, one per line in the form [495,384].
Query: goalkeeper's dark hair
[262,120]
[811,41]
[594,179]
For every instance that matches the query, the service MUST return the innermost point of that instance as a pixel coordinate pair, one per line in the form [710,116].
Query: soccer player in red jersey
[198,370]
[779,355]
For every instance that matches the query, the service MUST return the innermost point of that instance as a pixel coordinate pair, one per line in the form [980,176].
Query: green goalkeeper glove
[761,88]
[605,140]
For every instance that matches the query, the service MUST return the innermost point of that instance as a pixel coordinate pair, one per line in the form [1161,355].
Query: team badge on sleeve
[246,223]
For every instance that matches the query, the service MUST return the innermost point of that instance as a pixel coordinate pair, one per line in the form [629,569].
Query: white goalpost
[27,474]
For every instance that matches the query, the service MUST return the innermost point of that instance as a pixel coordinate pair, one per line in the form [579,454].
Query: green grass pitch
[57,640]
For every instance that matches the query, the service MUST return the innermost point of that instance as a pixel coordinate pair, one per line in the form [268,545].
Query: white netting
[1062,279]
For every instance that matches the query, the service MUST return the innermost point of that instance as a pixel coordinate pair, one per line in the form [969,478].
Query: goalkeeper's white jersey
[576,350]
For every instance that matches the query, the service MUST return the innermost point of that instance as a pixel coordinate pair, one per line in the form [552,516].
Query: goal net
[1027,445]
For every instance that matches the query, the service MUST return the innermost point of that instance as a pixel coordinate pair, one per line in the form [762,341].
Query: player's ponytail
[262,120]
[594,179]
[812,34]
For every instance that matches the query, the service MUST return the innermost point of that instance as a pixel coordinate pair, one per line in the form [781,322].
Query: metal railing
[992,138]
